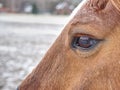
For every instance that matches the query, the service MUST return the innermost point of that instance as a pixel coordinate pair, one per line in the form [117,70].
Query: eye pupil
[84,42]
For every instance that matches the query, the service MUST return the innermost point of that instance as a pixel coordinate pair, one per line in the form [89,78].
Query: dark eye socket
[84,42]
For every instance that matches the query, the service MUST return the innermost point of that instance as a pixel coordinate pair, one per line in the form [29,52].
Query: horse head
[86,55]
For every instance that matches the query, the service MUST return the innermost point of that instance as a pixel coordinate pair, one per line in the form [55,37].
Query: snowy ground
[22,45]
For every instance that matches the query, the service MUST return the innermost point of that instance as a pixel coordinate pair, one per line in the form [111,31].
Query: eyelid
[82,34]
[88,31]
[88,35]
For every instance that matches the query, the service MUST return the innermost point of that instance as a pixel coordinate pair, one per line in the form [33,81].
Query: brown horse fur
[116,3]
[65,68]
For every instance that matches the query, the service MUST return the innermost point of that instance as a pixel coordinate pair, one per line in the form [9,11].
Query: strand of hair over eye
[116,3]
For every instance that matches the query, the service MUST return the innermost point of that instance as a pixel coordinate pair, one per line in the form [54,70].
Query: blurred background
[27,30]
[38,6]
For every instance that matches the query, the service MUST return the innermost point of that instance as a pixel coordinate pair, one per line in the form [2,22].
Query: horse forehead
[100,12]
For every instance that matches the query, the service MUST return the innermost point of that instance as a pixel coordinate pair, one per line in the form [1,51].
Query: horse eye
[84,42]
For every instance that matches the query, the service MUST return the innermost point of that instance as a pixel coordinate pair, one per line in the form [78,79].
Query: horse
[86,55]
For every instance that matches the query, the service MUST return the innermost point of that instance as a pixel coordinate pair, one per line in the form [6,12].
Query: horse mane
[98,5]
[116,3]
